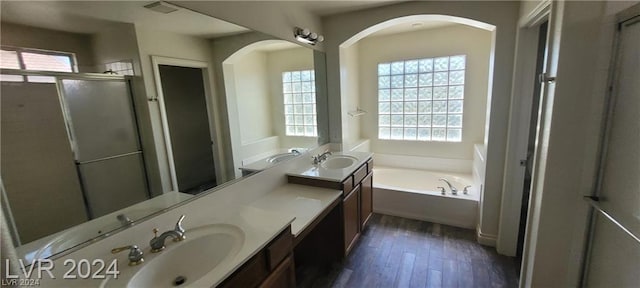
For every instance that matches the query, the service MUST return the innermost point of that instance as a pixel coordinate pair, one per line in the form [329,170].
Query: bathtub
[413,193]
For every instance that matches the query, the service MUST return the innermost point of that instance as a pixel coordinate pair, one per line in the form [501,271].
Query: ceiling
[91,17]
[412,27]
[330,7]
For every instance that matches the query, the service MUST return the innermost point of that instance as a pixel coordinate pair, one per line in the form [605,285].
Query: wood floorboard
[398,252]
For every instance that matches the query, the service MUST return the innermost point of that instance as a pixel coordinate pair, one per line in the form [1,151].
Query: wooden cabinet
[357,201]
[284,276]
[351,218]
[270,267]
[366,200]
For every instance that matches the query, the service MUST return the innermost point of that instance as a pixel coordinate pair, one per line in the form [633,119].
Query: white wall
[161,43]
[503,15]
[350,70]
[568,143]
[39,38]
[252,96]
[281,61]
[473,42]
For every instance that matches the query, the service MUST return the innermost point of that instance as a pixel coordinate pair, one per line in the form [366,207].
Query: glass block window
[421,99]
[299,91]
[120,67]
[36,60]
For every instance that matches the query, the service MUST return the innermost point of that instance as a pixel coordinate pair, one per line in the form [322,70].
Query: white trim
[536,16]
[204,66]
[518,133]
[486,239]
[556,14]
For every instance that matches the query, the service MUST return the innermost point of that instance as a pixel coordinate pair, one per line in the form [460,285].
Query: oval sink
[281,157]
[339,162]
[185,262]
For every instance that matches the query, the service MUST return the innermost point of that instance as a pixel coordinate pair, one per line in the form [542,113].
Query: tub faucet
[454,190]
[157,242]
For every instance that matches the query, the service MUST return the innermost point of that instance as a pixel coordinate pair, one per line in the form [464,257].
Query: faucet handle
[135,254]
[155,245]
[180,229]
[466,189]
[442,190]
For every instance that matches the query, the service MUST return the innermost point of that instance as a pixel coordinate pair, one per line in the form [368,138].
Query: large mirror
[114,111]
[270,91]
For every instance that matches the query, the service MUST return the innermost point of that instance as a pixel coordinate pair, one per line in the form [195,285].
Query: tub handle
[442,190]
[466,189]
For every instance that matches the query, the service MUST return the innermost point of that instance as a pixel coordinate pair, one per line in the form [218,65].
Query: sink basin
[338,162]
[281,157]
[183,263]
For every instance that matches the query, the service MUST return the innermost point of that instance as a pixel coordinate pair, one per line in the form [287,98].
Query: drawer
[347,185]
[279,248]
[360,174]
[369,166]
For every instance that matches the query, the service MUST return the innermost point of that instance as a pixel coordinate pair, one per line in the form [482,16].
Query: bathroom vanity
[355,180]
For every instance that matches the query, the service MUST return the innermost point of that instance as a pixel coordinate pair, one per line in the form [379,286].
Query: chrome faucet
[319,158]
[454,190]
[465,191]
[157,242]
[135,254]
[442,190]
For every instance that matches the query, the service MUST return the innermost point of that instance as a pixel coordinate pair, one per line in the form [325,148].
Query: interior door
[532,139]
[614,259]
[188,122]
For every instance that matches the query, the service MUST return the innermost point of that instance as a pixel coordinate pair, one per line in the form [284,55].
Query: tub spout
[454,190]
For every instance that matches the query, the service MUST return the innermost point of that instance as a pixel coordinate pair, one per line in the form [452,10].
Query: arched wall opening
[359,57]
[252,77]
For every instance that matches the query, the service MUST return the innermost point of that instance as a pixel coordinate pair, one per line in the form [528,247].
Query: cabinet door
[351,218]
[366,200]
[284,276]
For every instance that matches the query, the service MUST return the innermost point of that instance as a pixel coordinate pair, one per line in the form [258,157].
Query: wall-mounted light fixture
[305,36]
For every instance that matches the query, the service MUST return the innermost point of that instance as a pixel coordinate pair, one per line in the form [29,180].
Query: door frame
[519,122]
[156,61]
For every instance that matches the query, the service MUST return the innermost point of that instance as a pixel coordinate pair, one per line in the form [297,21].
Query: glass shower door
[105,143]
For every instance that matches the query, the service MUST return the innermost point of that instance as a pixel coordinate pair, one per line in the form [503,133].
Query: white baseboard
[423,218]
[486,239]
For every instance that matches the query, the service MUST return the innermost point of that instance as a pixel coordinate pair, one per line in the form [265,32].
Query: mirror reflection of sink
[338,162]
[183,263]
[281,157]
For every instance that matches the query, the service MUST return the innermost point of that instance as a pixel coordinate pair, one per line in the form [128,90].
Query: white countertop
[260,221]
[258,226]
[333,175]
[305,203]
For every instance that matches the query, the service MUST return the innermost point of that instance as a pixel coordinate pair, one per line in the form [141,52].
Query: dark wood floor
[399,252]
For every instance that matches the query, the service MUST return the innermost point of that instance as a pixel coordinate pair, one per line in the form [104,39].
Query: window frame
[387,100]
[293,103]
[19,50]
